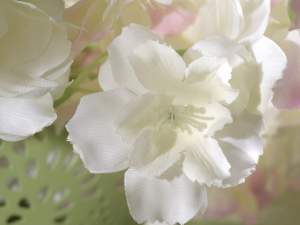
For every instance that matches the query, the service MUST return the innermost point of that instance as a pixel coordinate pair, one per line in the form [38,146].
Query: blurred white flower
[239,20]
[34,66]
[257,64]
[70,3]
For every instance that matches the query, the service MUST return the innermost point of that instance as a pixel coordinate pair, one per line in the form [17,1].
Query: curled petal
[93,132]
[206,163]
[22,117]
[273,63]
[179,199]
[257,14]
[209,77]
[158,67]
[119,52]
[242,146]
[106,78]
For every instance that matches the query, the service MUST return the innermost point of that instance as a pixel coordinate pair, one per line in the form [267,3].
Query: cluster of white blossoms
[34,65]
[182,123]
[177,121]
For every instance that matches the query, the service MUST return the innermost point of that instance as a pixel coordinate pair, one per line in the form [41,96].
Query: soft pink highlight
[170,21]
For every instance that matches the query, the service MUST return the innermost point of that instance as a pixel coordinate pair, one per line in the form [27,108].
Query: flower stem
[82,76]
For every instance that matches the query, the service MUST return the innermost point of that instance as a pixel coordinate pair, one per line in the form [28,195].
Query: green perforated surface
[43,183]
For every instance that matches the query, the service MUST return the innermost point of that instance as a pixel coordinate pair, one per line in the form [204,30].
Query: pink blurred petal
[275,2]
[258,188]
[170,21]
[287,93]
[295,5]
[87,21]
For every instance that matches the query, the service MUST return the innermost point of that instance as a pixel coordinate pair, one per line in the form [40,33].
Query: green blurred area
[46,162]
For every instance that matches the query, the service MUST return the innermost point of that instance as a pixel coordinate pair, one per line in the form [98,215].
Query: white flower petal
[59,75]
[219,116]
[106,78]
[208,81]
[93,133]
[157,223]
[221,47]
[225,18]
[55,52]
[141,113]
[119,51]
[164,2]
[242,146]
[155,152]
[35,51]
[273,62]
[239,20]
[257,14]
[150,199]
[206,163]
[23,117]
[158,67]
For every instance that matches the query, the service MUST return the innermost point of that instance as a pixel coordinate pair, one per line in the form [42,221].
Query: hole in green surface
[2,201]
[60,195]
[4,163]
[13,219]
[60,219]
[24,203]
[19,148]
[13,184]
[52,158]
[67,204]
[70,160]
[42,193]
[31,168]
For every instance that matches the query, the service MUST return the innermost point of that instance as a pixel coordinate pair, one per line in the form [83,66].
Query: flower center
[185,118]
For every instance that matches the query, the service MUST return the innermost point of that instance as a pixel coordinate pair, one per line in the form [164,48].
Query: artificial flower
[235,19]
[34,66]
[169,120]
[171,107]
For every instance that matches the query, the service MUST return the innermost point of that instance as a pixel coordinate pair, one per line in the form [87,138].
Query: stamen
[185,118]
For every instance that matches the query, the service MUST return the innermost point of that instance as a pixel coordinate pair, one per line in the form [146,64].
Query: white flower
[239,20]
[156,116]
[257,64]
[163,118]
[34,66]
[182,125]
